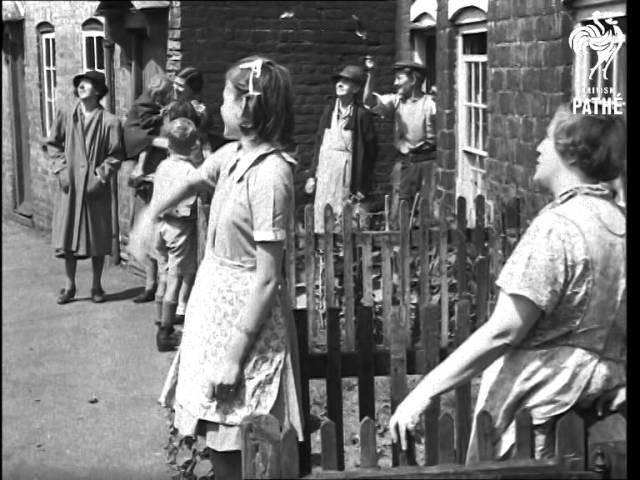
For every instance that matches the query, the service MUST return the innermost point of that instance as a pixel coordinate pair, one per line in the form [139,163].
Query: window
[472,117]
[423,42]
[422,31]
[92,47]
[47,49]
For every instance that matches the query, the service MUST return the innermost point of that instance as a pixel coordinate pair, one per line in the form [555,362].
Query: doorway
[14,55]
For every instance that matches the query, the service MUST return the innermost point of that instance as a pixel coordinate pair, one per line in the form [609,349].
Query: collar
[77,110]
[596,190]
[342,113]
[242,162]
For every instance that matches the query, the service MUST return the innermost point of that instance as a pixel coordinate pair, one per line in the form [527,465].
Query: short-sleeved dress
[252,203]
[572,275]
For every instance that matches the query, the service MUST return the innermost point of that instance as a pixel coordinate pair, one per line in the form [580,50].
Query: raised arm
[513,317]
[368,97]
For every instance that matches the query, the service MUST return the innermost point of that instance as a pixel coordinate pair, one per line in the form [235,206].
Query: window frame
[94,29]
[465,186]
[48,70]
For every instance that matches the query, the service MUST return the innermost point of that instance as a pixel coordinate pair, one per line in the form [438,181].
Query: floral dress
[570,263]
[252,203]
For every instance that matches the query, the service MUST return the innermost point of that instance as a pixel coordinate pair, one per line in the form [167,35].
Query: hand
[612,401]
[224,382]
[310,186]
[369,63]
[406,419]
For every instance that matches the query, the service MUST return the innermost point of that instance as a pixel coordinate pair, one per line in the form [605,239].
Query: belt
[420,157]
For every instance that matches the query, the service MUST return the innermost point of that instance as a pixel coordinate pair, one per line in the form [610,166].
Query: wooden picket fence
[415,276]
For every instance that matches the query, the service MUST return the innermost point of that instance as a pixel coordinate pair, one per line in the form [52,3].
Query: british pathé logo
[605,38]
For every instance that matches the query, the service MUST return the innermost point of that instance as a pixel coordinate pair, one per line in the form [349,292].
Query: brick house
[500,67]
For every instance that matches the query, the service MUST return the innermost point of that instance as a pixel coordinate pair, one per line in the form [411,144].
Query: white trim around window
[48,58]
[472,124]
[92,50]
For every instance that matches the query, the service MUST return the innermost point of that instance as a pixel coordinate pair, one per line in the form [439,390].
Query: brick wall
[529,75]
[446,108]
[529,69]
[66,18]
[313,44]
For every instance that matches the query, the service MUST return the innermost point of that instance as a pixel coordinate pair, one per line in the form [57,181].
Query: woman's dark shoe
[97,295]
[146,296]
[66,295]
[178,319]
[168,339]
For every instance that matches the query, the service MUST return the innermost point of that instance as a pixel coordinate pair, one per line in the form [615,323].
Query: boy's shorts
[176,246]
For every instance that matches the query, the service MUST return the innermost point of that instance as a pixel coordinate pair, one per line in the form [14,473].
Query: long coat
[88,153]
[143,123]
[365,146]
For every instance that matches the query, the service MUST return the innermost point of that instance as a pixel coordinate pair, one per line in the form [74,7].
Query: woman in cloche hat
[346,148]
[85,149]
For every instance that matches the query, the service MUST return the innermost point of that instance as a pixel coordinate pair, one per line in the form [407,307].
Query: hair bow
[256,70]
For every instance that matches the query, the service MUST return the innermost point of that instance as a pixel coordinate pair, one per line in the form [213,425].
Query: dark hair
[183,109]
[182,135]
[597,144]
[192,78]
[268,109]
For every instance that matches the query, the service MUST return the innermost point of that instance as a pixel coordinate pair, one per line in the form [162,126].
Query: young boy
[176,247]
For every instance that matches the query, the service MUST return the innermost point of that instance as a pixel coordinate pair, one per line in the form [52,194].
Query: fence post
[367,271]
[404,271]
[310,272]
[260,447]
[461,244]
[289,459]
[524,436]
[348,281]
[484,436]
[329,272]
[366,366]
[387,290]
[429,332]
[329,446]
[398,382]
[463,392]
[571,441]
[368,450]
[446,448]
[334,381]
[302,328]
[481,263]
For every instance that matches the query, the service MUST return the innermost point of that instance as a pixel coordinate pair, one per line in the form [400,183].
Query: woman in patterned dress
[557,337]
[238,352]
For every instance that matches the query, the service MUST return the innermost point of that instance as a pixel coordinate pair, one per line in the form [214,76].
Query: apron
[333,176]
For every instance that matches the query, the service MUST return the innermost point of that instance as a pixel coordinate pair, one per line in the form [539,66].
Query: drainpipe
[109,47]
[403,39]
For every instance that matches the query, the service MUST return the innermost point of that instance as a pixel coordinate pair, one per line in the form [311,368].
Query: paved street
[55,359]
